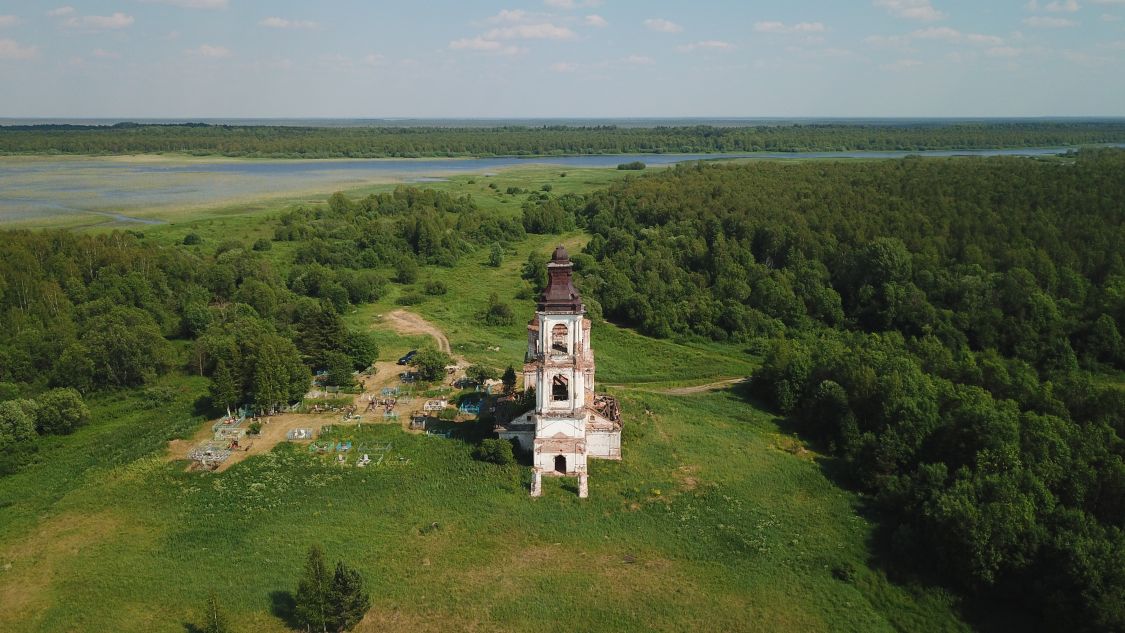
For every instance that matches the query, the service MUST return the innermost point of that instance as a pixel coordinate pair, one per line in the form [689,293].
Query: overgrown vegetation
[931,323]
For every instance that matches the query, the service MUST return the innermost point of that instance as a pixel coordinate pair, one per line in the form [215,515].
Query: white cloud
[116,21]
[596,21]
[1043,22]
[374,59]
[1109,17]
[902,64]
[191,4]
[11,49]
[953,35]
[564,67]
[70,19]
[714,45]
[638,60]
[661,25]
[282,23]
[572,4]
[481,44]
[211,51]
[781,27]
[544,31]
[104,54]
[8,20]
[1062,6]
[911,9]
[507,16]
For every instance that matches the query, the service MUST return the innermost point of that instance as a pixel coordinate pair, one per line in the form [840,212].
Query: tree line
[406,142]
[949,330]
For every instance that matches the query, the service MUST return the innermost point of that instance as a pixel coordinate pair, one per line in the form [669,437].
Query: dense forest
[88,313]
[378,142]
[948,330]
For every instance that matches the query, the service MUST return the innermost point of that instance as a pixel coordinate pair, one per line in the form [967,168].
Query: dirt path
[408,323]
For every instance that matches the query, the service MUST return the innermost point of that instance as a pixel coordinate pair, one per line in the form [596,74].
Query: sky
[562,58]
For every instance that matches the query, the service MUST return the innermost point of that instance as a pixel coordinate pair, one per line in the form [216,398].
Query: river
[41,189]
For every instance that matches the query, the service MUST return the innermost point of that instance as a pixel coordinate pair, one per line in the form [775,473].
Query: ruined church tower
[569,423]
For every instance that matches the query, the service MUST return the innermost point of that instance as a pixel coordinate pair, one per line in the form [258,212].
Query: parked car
[406,359]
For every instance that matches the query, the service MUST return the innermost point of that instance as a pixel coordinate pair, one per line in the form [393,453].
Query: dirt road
[408,323]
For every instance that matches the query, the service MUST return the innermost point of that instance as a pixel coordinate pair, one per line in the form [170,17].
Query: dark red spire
[560,294]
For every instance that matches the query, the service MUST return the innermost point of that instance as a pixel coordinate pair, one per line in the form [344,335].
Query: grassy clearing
[714,520]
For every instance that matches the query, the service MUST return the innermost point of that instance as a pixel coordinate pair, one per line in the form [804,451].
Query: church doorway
[560,464]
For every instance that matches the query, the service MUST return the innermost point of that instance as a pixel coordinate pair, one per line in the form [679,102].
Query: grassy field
[715,520]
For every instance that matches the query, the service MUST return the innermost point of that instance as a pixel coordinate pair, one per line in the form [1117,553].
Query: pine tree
[509,379]
[311,608]
[215,620]
[348,598]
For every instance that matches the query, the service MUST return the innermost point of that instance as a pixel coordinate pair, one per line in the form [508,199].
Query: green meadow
[715,520]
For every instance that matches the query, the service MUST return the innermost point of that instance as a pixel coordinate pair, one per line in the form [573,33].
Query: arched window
[558,338]
[560,463]
[560,389]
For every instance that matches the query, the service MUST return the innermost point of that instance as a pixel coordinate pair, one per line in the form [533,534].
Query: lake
[124,189]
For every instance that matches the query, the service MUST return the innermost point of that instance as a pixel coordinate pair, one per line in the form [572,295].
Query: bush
[410,298]
[496,256]
[633,166]
[262,244]
[406,271]
[546,188]
[513,191]
[498,313]
[191,239]
[496,451]
[60,412]
[436,287]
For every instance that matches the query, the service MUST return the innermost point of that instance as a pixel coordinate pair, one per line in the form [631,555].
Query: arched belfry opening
[560,389]
[560,463]
[558,339]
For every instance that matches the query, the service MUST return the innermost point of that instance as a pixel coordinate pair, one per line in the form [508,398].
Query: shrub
[191,239]
[406,271]
[496,255]
[496,451]
[498,313]
[262,244]
[410,298]
[436,287]
[546,188]
[60,411]
[633,166]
